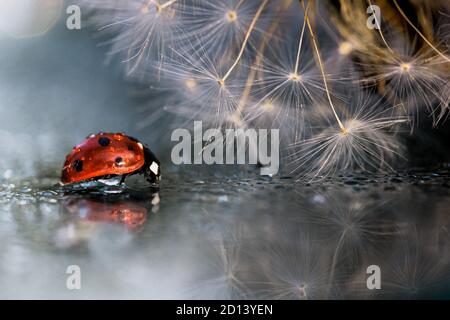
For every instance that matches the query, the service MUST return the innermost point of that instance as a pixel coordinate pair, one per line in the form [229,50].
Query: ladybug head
[152,166]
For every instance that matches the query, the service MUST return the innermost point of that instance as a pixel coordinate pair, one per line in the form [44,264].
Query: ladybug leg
[122,179]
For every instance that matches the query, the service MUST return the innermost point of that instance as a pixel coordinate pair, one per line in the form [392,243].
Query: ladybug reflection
[127,213]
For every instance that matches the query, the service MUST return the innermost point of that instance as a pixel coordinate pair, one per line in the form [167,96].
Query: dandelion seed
[409,77]
[201,94]
[217,85]
[142,29]
[225,280]
[356,226]
[219,27]
[366,142]
[410,80]
[411,270]
[231,16]
[293,268]
[432,46]
[263,46]
[288,80]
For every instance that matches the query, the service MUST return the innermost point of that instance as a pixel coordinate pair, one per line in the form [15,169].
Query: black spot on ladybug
[78,165]
[118,160]
[104,142]
[130,148]
[133,139]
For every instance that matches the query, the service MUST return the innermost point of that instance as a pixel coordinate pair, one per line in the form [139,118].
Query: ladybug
[107,155]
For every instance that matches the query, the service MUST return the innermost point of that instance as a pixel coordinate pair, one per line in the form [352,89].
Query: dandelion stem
[297,61]
[420,33]
[319,59]
[380,32]
[244,44]
[159,6]
[168,3]
[262,47]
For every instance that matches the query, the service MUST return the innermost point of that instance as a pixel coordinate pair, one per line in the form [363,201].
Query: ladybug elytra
[107,155]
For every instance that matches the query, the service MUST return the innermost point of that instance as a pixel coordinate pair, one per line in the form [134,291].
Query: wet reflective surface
[216,235]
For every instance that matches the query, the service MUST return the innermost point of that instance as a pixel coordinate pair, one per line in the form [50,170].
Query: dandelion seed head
[412,269]
[405,67]
[353,222]
[219,27]
[294,269]
[359,144]
[231,16]
[202,92]
[288,80]
[407,76]
[365,141]
[295,77]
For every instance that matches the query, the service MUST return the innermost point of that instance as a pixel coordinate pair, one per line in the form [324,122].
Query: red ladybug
[106,155]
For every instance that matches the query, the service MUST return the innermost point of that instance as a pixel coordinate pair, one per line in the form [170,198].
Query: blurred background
[208,233]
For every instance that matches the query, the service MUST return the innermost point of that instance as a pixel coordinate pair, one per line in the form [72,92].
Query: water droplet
[8,174]
[318,198]
[222,199]
[25,189]
[111,182]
